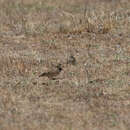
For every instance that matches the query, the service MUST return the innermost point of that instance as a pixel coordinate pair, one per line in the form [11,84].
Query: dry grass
[91,95]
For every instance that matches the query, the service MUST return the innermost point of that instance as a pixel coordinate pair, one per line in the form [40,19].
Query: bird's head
[59,66]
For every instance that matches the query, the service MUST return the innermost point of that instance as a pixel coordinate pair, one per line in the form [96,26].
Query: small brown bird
[53,73]
[71,60]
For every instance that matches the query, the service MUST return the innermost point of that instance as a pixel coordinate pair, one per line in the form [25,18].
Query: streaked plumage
[53,73]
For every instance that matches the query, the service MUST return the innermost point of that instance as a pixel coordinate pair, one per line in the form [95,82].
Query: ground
[94,93]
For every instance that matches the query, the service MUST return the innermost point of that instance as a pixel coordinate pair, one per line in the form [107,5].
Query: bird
[71,60]
[53,73]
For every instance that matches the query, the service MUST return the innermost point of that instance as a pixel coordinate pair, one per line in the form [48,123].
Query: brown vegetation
[91,93]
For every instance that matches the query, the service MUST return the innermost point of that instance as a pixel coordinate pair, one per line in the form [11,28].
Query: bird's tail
[43,74]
